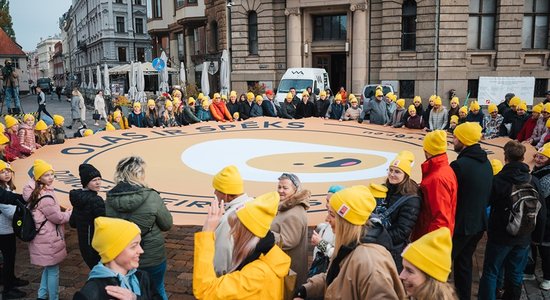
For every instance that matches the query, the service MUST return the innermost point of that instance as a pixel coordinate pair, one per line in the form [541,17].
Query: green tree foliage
[5,18]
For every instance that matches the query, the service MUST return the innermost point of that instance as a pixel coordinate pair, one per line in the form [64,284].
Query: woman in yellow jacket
[258,265]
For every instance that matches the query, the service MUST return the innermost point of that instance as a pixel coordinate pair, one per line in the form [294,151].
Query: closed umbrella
[205,84]
[182,74]
[98,85]
[163,87]
[107,91]
[132,81]
[91,79]
[224,73]
[83,80]
[140,82]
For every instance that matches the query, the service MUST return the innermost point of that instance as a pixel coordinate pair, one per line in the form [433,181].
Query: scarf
[264,245]
[128,281]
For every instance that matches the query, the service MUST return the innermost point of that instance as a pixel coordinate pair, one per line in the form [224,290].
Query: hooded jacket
[335,111]
[87,205]
[377,111]
[366,273]
[48,247]
[543,175]
[500,201]
[305,110]
[439,191]
[26,137]
[290,230]
[474,175]
[262,278]
[101,277]
[220,112]
[144,207]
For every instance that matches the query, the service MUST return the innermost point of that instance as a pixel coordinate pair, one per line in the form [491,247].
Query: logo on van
[297,72]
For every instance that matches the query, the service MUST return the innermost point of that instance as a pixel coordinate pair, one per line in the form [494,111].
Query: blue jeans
[156,275]
[12,92]
[49,284]
[513,258]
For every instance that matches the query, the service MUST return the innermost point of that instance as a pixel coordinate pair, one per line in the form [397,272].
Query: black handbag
[96,116]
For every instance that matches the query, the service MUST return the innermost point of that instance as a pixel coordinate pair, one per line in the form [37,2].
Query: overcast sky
[33,19]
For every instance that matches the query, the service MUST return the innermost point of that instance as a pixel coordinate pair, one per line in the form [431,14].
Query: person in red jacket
[527,131]
[439,187]
[14,148]
[219,110]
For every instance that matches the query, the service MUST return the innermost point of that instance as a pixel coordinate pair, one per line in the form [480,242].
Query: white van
[300,79]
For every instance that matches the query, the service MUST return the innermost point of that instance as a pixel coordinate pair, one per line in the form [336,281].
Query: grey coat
[378,111]
[75,107]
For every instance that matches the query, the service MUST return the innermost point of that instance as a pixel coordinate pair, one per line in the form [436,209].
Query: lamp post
[228,34]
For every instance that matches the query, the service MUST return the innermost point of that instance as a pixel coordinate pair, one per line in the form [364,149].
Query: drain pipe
[369,47]
[436,56]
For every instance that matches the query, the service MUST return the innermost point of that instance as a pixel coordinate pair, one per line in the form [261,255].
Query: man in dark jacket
[269,107]
[474,176]
[509,115]
[503,248]
[246,106]
[504,106]
[322,104]
[305,109]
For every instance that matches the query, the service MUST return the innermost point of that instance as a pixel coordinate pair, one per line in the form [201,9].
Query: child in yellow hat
[168,116]
[427,264]
[336,109]
[259,265]
[396,119]
[203,111]
[26,134]
[360,264]
[12,127]
[43,134]
[492,122]
[233,104]
[42,201]
[354,112]
[152,117]
[256,109]
[529,127]
[57,130]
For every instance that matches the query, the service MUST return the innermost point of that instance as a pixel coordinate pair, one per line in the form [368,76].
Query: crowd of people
[394,239]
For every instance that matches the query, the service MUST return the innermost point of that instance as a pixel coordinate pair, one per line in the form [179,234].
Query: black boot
[512,292]
[13,293]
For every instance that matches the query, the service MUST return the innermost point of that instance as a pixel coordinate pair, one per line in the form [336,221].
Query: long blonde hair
[244,241]
[433,289]
[131,170]
[345,233]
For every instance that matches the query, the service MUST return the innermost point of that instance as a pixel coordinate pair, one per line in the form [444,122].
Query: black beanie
[87,172]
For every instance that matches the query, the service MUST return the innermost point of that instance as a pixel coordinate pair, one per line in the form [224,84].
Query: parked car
[45,84]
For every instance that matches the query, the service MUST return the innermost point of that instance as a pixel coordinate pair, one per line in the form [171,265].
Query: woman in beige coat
[356,270]
[290,224]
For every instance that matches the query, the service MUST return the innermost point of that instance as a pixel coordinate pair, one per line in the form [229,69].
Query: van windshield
[299,84]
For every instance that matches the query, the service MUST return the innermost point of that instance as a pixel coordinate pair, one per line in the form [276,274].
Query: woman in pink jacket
[47,249]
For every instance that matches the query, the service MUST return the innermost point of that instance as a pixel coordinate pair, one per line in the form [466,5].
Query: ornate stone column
[359,50]
[294,38]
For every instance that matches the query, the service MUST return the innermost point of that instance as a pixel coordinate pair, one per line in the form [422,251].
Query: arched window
[252,33]
[408,25]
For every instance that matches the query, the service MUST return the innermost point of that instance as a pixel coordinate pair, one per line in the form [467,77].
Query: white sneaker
[529,277]
[545,285]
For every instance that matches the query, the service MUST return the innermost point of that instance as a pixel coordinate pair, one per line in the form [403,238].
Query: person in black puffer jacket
[403,218]
[87,205]
[116,276]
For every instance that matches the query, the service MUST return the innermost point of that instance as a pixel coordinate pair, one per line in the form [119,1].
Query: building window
[541,86]
[118,1]
[535,24]
[140,54]
[139,25]
[481,24]
[192,2]
[120,26]
[253,33]
[406,88]
[214,35]
[473,86]
[15,62]
[180,3]
[197,40]
[122,54]
[408,25]
[156,9]
[137,2]
[330,28]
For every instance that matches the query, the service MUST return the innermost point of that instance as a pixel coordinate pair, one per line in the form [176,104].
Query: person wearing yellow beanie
[496,165]
[40,195]
[438,116]
[353,112]
[475,114]
[540,128]
[40,125]
[136,118]
[58,120]
[361,262]
[10,121]
[305,108]
[43,136]
[26,135]
[152,117]
[109,127]
[439,187]
[378,191]
[255,275]
[413,117]
[492,123]
[528,129]
[427,264]
[473,170]
[397,117]
[119,241]
[57,130]
[514,102]
[229,189]
[463,113]
[88,132]
[514,120]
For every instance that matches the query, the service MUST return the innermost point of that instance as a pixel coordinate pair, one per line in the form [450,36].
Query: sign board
[158,64]
[493,89]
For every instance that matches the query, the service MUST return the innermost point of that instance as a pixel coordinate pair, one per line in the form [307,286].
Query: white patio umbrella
[132,92]
[163,74]
[98,85]
[107,91]
[224,73]
[182,74]
[91,79]
[140,82]
[205,84]
[83,80]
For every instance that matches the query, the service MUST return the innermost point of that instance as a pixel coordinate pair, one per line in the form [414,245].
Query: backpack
[524,209]
[383,216]
[23,223]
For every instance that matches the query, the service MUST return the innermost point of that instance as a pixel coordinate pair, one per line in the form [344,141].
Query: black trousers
[464,247]
[7,247]
[544,252]
[42,108]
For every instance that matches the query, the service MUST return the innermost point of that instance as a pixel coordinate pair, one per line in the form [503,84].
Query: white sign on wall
[493,89]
